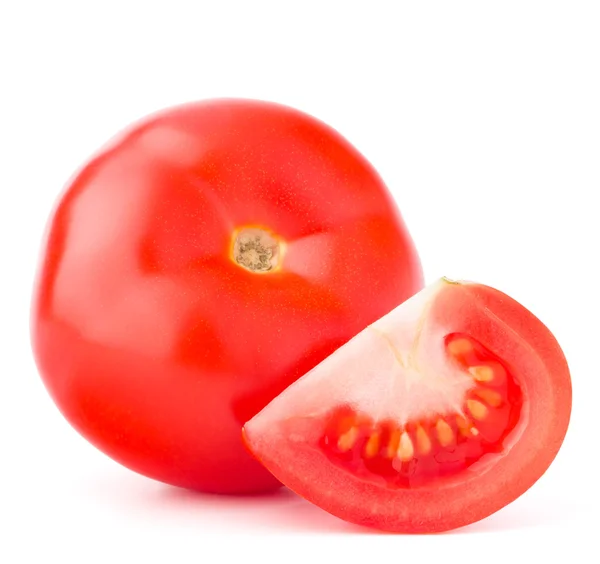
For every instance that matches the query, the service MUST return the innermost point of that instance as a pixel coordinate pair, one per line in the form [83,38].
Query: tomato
[433,417]
[199,264]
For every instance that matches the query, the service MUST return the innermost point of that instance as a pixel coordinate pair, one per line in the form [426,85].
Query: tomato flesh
[199,264]
[417,452]
[435,416]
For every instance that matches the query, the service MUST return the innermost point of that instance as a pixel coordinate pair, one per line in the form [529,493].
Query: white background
[484,120]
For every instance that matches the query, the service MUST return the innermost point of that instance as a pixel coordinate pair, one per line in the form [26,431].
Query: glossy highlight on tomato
[201,262]
[435,416]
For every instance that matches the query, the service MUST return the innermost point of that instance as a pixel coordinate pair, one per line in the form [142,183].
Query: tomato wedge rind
[435,416]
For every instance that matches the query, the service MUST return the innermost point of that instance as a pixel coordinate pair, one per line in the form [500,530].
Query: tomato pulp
[198,265]
[433,417]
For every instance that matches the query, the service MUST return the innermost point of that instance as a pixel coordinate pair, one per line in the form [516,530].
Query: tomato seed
[444,433]
[348,439]
[372,446]
[477,409]
[461,346]
[482,373]
[491,397]
[394,443]
[423,441]
[406,449]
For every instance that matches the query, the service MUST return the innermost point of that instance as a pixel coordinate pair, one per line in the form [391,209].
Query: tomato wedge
[435,416]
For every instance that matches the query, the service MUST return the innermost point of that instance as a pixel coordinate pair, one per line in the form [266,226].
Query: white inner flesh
[397,368]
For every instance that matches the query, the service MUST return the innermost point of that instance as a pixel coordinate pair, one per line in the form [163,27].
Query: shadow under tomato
[542,513]
[280,510]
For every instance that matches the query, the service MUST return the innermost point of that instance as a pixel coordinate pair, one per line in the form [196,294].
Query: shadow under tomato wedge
[200,263]
[435,416]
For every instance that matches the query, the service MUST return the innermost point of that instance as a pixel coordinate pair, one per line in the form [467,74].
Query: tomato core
[256,249]
[441,444]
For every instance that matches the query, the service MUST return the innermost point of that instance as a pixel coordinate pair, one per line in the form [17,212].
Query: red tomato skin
[288,449]
[152,342]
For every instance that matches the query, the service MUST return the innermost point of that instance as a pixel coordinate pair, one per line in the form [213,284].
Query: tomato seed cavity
[439,445]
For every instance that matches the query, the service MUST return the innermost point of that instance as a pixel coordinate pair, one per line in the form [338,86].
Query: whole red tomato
[199,264]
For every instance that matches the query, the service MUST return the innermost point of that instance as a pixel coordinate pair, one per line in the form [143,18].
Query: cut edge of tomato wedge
[290,436]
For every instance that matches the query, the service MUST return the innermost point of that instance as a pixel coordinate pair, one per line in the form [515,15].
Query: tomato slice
[435,416]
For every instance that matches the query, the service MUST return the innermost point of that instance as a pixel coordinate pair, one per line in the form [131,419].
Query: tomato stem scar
[256,249]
